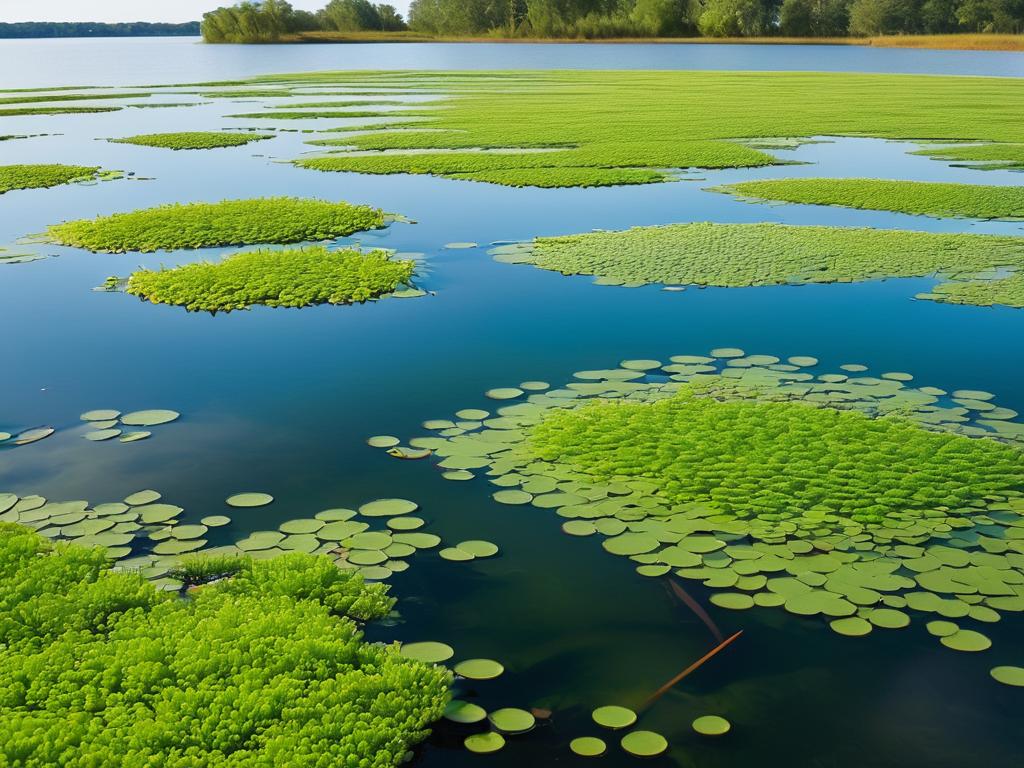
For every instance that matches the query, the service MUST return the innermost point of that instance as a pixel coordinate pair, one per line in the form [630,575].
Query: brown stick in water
[698,663]
[694,606]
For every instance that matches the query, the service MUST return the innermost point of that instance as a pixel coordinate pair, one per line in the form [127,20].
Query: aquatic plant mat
[292,277]
[860,500]
[927,198]
[193,139]
[230,222]
[975,269]
[266,662]
[41,176]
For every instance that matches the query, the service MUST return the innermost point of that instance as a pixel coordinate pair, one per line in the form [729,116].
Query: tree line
[24,29]
[268,20]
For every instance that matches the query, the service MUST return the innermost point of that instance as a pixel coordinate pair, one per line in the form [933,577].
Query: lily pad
[484,743]
[711,725]
[427,651]
[134,437]
[644,743]
[455,554]
[588,746]
[216,521]
[512,720]
[388,508]
[614,717]
[503,393]
[405,523]
[512,496]
[249,500]
[100,415]
[383,441]
[479,669]
[1013,676]
[142,497]
[100,435]
[464,712]
[478,548]
[966,640]
[149,418]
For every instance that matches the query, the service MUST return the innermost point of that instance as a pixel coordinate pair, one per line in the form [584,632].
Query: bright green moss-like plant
[293,277]
[40,176]
[981,156]
[737,255]
[282,115]
[34,111]
[230,222]
[918,197]
[193,139]
[267,667]
[771,457]
[665,120]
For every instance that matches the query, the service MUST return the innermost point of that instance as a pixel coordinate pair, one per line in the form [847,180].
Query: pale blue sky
[130,10]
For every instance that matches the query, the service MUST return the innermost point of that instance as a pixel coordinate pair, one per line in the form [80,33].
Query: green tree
[350,16]
[735,18]
[664,17]
[814,18]
[884,17]
[1005,16]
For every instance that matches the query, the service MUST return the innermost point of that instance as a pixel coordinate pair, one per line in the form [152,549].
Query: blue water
[282,400]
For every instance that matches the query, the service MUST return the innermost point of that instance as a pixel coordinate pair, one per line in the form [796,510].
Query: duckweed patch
[230,222]
[858,499]
[312,686]
[292,277]
[193,139]
[657,120]
[737,255]
[14,177]
[914,197]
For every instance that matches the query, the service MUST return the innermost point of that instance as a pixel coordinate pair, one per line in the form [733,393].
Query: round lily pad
[503,393]
[405,523]
[142,497]
[1013,676]
[188,531]
[484,743]
[614,717]
[149,418]
[478,548]
[418,540]
[851,626]
[302,525]
[512,496]
[383,441]
[215,521]
[579,528]
[334,515]
[100,435]
[711,725]
[366,557]
[512,720]
[644,743]
[100,415]
[388,508]
[455,554]
[966,640]
[249,500]
[479,669]
[472,414]
[588,746]
[157,513]
[134,437]
[458,474]
[427,651]
[33,435]
[736,601]
[464,712]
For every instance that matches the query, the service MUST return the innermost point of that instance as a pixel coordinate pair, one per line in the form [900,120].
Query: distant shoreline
[963,42]
[59,30]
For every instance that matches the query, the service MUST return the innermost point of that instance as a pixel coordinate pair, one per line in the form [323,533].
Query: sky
[131,10]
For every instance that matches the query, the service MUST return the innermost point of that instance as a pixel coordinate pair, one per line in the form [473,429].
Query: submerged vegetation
[293,277]
[737,255]
[41,176]
[193,139]
[269,665]
[663,120]
[856,498]
[230,222]
[916,197]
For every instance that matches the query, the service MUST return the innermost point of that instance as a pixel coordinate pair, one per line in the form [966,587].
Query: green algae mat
[192,139]
[14,177]
[918,197]
[976,269]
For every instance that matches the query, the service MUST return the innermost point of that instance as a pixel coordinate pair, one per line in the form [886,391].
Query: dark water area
[282,401]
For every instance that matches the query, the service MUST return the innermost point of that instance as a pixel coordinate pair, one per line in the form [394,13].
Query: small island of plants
[193,139]
[229,222]
[292,277]
[41,176]
[266,666]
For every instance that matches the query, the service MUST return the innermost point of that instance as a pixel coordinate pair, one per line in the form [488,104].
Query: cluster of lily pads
[229,222]
[292,277]
[980,269]
[859,499]
[40,176]
[193,139]
[106,424]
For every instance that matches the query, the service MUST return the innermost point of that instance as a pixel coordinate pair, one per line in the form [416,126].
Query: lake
[283,400]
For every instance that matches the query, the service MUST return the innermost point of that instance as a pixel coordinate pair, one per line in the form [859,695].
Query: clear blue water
[282,400]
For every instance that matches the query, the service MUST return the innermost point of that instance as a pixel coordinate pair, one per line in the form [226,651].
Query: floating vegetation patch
[983,157]
[292,277]
[700,119]
[915,197]
[193,139]
[859,499]
[737,255]
[230,222]
[264,629]
[313,115]
[33,111]
[53,97]
[106,424]
[41,176]
[8,256]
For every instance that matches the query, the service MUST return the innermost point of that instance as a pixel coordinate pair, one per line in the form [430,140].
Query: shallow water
[282,400]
